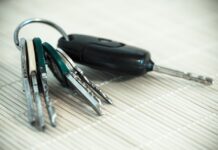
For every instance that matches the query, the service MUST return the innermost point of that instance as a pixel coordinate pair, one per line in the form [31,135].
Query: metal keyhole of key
[114,56]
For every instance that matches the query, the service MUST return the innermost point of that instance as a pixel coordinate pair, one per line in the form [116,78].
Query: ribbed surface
[152,111]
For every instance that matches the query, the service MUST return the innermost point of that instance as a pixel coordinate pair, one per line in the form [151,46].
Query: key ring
[36,20]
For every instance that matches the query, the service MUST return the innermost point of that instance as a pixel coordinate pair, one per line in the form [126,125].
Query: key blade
[39,107]
[188,76]
[28,94]
[49,106]
[92,85]
[93,102]
[72,67]
[199,78]
[97,90]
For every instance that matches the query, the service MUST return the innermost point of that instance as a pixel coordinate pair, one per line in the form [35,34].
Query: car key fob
[114,56]
[106,54]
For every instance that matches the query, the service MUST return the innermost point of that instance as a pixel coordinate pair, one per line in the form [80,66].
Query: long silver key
[180,74]
[41,70]
[26,83]
[33,79]
[74,69]
[61,71]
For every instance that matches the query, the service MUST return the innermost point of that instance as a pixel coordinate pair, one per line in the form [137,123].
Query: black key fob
[106,54]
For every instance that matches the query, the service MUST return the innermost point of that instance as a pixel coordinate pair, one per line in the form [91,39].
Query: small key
[76,70]
[26,82]
[64,75]
[32,73]
[42,76]
[115,56]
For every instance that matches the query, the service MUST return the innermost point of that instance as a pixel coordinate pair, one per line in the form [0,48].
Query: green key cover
[56,57]
[40,55]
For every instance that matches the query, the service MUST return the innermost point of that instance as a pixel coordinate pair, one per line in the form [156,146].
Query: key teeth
[97,89]
[77,79]
[189,76]
[109,100]
[90,84]
[198,78]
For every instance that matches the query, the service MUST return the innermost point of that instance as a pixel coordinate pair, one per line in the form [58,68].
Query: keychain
[35,55]
[96,52]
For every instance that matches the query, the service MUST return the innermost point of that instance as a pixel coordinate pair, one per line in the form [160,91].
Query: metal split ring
[36,20]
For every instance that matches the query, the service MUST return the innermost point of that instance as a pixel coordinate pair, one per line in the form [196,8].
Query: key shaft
[48,102]
[184,75]
[92,101]
[39,108]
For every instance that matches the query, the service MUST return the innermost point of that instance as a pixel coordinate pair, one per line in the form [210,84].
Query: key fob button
[104,40]
[108,43]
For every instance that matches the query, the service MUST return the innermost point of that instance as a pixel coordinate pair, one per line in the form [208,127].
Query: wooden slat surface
[152,111]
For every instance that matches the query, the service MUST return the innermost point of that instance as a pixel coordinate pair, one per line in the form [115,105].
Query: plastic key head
[57,67]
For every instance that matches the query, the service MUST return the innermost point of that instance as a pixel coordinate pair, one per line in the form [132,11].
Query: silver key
[74,69]
[34,84]
[42,75]
[64,75]
[184,75]
[26,83]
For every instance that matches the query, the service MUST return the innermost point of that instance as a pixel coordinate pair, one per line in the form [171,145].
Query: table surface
[152,111]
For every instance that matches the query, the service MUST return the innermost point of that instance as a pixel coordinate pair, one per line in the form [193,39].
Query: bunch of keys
[35,55]
[92,51]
